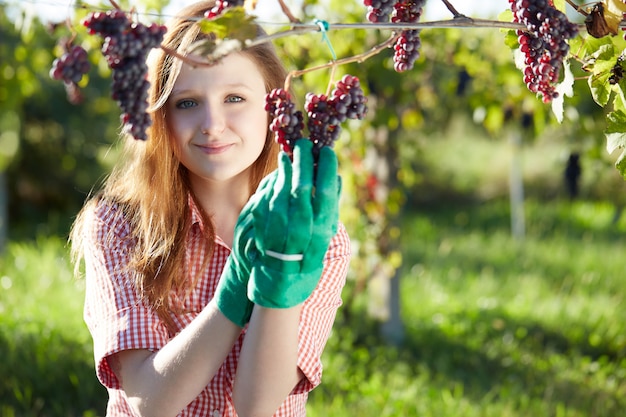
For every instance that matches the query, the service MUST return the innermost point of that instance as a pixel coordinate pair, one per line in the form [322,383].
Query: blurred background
[488,270]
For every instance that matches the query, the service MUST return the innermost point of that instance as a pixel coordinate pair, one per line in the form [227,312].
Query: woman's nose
[214,121]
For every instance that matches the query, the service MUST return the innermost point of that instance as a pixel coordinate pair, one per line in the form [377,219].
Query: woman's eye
[234,99]
[185,104]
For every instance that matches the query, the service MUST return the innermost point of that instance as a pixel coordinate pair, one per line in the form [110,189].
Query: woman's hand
[294,220]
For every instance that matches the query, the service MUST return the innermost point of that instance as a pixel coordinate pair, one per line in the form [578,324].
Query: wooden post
[516,187]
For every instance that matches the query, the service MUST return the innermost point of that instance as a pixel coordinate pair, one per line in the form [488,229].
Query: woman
[195,307]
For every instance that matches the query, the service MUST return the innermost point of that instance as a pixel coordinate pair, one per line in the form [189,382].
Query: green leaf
[615,131]
[599,89]
[506,16]
[621,164]
[233,23]
[232,29]
[510,39]
[585,47]
[600,64]
[619,102]
[578,47]
[564,88]
[559,5]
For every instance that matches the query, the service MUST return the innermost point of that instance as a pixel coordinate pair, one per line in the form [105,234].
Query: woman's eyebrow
[187,91]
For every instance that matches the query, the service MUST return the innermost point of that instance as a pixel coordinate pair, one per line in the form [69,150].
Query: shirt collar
[196,217]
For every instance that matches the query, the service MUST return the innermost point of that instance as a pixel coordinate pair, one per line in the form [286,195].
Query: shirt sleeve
[320,309]
[114,313]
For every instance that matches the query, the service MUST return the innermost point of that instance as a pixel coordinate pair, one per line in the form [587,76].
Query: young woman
[201,300]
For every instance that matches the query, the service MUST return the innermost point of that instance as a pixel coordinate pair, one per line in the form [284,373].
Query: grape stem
[287,12]
[115,5]
[577,8]
[331,79]
[333,64]
[452,9]
[186,58]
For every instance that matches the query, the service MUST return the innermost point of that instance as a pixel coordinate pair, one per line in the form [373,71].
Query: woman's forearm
[164,382]
[267,371]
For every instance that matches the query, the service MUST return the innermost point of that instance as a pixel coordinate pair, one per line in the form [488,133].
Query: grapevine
[543,43]
[125,47]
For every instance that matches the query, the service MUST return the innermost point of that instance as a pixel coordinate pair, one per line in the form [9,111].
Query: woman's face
[218,118]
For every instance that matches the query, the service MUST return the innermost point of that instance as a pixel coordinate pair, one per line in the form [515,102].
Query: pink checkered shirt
[118,320]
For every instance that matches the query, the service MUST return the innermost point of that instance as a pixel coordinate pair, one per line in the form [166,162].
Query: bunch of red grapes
[125,47]
[324,114]
[407,47]
[543,43]
[70,68]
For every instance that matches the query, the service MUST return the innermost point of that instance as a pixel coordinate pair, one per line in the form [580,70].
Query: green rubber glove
[293,228]
[231,292]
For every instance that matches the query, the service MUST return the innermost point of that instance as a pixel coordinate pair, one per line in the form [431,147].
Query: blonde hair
[151,185]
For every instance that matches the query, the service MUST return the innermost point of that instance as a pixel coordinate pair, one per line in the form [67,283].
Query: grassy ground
[47,365]
[493,326]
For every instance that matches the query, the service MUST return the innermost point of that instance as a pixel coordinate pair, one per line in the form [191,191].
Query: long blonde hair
[151,185]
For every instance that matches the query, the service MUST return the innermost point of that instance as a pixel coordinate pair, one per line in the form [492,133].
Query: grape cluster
[325,113]
[322,122]
[125,47]
[71,66]
[348,99]
[543,43]
[287,123]
[407,47]
[220,6]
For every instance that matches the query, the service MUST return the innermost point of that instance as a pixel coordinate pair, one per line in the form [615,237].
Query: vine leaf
[616,137]
[233,23]
[600,64]
[559,5]
[232,30]
[564,88]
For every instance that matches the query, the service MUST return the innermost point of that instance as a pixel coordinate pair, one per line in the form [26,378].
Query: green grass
[47,366]
[493,326]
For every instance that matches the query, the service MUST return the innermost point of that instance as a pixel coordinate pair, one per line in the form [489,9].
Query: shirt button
[216,413]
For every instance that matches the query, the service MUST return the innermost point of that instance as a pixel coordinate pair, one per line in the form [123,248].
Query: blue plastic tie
[324,26]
